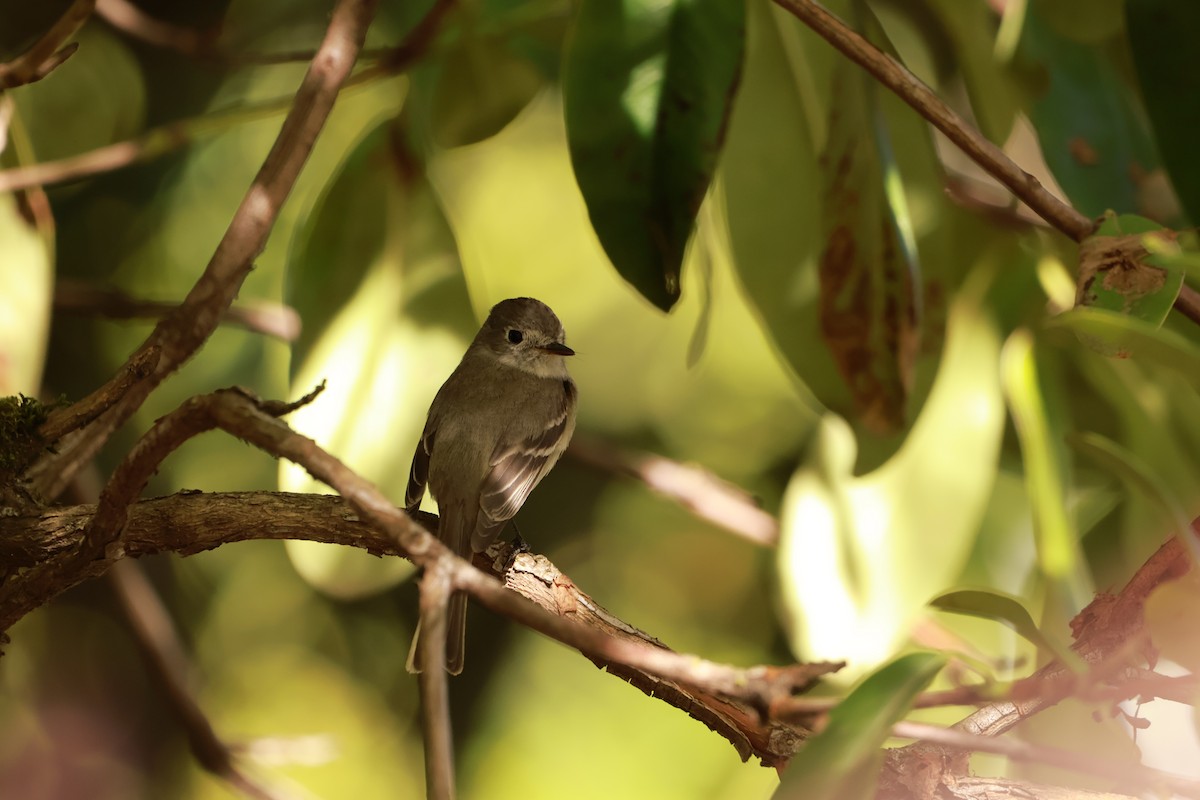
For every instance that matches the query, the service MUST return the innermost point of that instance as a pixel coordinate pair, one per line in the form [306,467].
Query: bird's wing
[418,476]
[517,467]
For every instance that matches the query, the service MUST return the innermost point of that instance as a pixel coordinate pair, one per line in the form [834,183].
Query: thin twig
[434,685]
[80,297]
[199,44]
[172,136]
[1135,775]
[1128,684]
[49,51]
[65,420]
[699,491]
[183,332]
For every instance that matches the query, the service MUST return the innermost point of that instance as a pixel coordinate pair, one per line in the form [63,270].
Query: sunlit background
[429,199]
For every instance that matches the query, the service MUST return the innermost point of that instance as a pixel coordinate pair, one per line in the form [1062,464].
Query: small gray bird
[495,428]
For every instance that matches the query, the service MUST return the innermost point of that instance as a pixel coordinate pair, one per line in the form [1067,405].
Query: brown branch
[1096,686]
[49,51]
[167,138]
[201,45]
[699,491]
[193,522]
[1129,775]
[80,297]
[743,693]
[182,332]
[62,421]
[434,685]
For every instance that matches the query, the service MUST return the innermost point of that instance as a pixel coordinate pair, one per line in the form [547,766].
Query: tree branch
[434,686]
[49,51]
[182,332]
[78,297]
[699,491]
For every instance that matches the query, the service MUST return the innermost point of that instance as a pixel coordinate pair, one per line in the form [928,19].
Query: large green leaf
[843,760]
[1162,38]
[648,87]
[1092,132]
[868,314]
[855,560]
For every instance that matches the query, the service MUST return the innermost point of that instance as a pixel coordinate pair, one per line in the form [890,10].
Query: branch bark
[192,522]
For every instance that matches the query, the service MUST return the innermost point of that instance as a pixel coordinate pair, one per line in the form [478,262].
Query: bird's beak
[558,349]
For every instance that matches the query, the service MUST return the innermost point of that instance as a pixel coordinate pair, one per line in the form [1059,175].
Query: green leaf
[1162,40]
[867,269]
[972,30]
[1124,336]
[1119,273]
[1045,470]
[1092,132]
[854,560]
[100,88]
[648,86]
[27,261]
[843,760]
[480,88]
[1140,476]
[996,605]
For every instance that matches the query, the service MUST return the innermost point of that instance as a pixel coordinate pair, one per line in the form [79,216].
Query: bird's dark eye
[515,336]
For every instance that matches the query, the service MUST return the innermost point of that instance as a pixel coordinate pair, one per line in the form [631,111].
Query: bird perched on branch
[496,427]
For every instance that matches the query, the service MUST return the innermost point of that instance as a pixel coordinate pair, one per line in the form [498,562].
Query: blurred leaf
[100,89]
[1045,470]
[1086,21]
[867,313]
[647,93]
[481,87]
[843,760]
[1090,127]
[768,172]
[854,559]
[27,275]
[1139,476]
[1118,334]
[1162,42]
[1171,613]
[1118,273]
[376,278]
[972,29]
[992,604]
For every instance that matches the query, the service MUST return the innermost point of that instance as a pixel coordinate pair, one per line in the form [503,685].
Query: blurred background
[432,195]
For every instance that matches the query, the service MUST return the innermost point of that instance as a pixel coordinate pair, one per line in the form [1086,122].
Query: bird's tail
[454,529]
[456,638]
